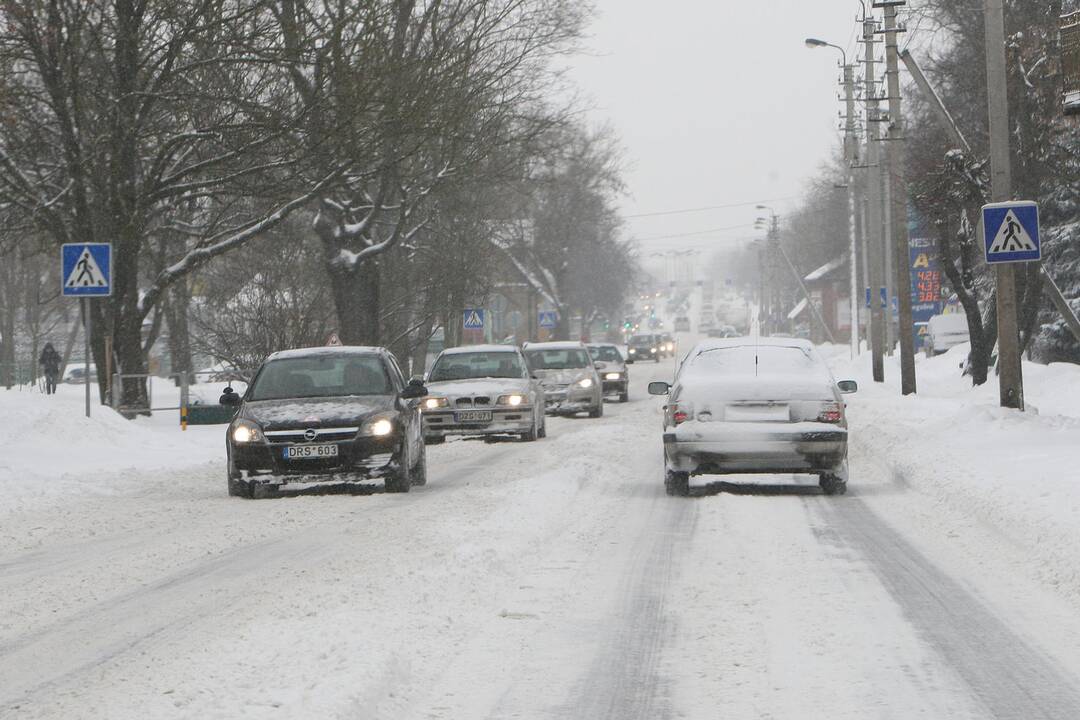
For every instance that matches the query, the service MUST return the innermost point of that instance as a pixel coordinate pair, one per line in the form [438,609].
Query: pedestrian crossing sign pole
[1011,232]
[86,272]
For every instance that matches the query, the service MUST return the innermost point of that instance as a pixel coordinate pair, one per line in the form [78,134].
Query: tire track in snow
[624,679]
[1009,676]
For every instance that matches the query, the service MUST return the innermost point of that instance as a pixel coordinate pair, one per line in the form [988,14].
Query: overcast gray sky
[716,102]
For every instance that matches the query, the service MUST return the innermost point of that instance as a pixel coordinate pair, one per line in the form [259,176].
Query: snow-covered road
[545,580]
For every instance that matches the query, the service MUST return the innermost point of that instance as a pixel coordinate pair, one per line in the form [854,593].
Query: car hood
[492,387]
[287,414]
[551,378]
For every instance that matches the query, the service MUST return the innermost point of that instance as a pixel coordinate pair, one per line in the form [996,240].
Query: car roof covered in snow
[555,345]
[721,343]
[479,349]
[326,351]
[600,345]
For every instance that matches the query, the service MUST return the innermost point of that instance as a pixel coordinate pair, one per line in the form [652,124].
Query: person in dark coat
[50,363]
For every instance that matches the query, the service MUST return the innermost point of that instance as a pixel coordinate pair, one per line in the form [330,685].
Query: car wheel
[400,481]
[598,411]
[533,434]
[239,487]
[434,439]
[624,396]
[419,471]
[677,483]
[832,485]
[542,432]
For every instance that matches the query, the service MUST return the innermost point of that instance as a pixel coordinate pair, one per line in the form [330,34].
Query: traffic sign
[548,319]
[473,319]
[334,340]
[86,269]
[1011,232]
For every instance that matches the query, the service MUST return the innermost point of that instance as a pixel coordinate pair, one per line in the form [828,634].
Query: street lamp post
[775,304]
[851,156]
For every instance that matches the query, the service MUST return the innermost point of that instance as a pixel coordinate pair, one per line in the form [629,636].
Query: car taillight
[831,413]
[681,414]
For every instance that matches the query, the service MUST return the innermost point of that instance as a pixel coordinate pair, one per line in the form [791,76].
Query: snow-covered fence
[192,395]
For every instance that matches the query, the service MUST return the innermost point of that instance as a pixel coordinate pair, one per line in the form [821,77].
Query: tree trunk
[356,299]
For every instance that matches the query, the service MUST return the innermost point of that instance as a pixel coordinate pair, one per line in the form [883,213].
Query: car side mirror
[414,390]
[659,388]
[848,386]
[229,397]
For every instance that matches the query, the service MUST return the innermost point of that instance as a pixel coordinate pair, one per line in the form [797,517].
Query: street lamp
[850,153]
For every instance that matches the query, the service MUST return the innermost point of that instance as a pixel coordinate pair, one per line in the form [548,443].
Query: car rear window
[740,359]
[606,353]
[557,359]
[313,377]
[465,366]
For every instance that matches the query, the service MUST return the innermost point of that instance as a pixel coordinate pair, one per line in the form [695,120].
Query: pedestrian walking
[50,363]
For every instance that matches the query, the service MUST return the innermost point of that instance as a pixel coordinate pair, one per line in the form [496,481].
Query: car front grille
[322,435]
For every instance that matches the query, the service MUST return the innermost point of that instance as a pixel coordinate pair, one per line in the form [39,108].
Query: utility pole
[851,154]
[1010,371]
[898,202]
[873,214]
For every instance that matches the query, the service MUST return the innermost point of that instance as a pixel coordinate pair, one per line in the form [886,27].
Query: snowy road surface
[544,580]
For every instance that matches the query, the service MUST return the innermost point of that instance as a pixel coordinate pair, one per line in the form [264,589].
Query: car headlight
[585,382]
[633,351]
[613,376]
[433,403]
[652,350]
[244,432]
[512,400]
[377,427]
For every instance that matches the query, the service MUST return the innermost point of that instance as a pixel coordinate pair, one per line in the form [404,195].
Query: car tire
[677,484]
[832,484]
[239,487]
[419,471]
[401,480]
[598,411]
[434,439]
[542,432]
[533,434]
[624,396]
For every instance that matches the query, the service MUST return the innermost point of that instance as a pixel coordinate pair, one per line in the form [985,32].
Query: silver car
[482,390]
[754,405]
[568,374]
[614,375]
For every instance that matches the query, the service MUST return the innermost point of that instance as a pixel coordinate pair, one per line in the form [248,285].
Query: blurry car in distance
[643,347]
[614,375]
[945,332]
[682,324]
[746,406]
[568,375]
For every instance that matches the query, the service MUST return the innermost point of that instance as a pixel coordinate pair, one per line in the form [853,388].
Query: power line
[692,234]
[709,207]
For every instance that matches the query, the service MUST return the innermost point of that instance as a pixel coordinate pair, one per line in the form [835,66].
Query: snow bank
[1018,473]
[51,448]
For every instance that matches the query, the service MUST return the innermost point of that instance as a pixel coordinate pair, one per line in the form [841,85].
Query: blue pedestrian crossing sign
[548,319]
[1011,232]
[86,269]
[473,319]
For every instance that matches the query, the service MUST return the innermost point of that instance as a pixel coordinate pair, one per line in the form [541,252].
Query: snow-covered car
[682,324]
[643,347]
[749,405]
[326,414]
[614,375]
[482,390]
[569,378]
[75,374]
[944,332]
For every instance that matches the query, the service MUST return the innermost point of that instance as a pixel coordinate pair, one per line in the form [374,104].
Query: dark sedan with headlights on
[317,415]
[611,366]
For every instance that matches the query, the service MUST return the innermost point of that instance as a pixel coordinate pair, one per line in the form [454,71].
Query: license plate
[305,452]
[472,416]
[757,413]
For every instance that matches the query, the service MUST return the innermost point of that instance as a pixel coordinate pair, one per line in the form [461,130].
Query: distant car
[667,345]
[643,347]
[75,374]
[723,331]
[482,390]
[615,377]
[682,324]
[754,406]
[568,375]
[324,414]
[945,332]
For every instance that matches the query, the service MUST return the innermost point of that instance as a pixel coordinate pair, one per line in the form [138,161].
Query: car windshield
[557,359]
[642,340]
[606,353]
[464,366]
[314,377]
[742,359]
